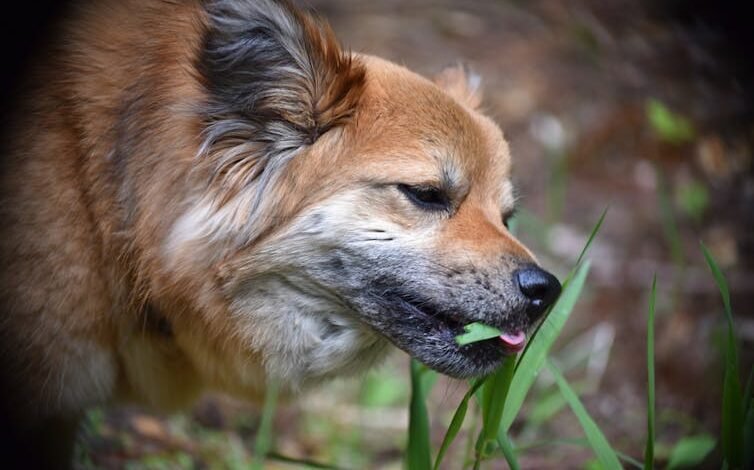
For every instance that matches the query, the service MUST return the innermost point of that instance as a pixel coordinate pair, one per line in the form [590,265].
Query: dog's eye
[425,197]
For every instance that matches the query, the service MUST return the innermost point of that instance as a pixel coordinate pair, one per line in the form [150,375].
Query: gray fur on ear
[276,80]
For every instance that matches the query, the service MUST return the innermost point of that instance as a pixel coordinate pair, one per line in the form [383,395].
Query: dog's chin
[428,334]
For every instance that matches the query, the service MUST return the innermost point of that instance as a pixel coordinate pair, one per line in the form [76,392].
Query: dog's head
[341,199]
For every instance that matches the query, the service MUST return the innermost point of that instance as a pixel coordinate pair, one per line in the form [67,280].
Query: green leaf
[733,406]
[649,450]
[418,452]
[456,422]
[263,441]
[602,450]
[477,332]
[591,236]
[535,354]
[690,451]
[593,464]
[669,126]
[508,451]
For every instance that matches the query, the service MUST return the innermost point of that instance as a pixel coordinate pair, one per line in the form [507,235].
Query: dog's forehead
[404,113]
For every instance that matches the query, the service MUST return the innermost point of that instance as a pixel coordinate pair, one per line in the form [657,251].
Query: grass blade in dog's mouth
[475,332]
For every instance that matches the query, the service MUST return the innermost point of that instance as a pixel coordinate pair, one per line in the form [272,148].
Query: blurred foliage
[382,389]
[693,198]
[669,126]
[690,451]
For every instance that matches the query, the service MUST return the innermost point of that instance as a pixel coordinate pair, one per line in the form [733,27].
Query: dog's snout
[538,286]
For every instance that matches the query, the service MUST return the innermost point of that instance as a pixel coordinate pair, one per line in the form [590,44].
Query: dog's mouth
[432,313]
[511,340]
[428,331]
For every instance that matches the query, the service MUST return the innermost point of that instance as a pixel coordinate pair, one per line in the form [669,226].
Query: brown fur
[105,299]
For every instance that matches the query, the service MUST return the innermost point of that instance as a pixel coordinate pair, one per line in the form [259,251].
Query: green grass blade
[263,441]
[748,392]
[722,285]
[299,463]
[495,393]
[545,408]
[456,422]
[690,451]
[628,459]
[732,418]
[649,450]
[605,454]
[477,332]
[749,435]
[570,275]
[428,379]
[418,451]
[508,451]
[749,420]
[591,236]
[534,356]
[732,432]
[669,223]
[580,442]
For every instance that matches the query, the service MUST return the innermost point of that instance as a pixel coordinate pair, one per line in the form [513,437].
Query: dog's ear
[275,75]
[463,84]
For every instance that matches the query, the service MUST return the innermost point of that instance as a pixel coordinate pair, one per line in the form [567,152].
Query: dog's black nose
[539,286]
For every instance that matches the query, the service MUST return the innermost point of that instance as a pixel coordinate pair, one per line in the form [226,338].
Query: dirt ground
[570,83]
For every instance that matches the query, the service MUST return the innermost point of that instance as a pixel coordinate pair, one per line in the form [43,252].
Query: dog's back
[117,73]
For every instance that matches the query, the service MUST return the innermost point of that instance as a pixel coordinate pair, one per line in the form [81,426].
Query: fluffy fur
[212,194]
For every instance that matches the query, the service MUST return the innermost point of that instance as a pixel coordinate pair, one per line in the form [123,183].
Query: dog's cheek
[203,233]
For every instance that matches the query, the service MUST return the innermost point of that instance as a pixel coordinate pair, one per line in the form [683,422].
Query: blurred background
[642,107]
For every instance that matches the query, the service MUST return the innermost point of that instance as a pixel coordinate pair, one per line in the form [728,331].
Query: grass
[733,410]
[533,357]
[500,397]
[649,450]
[602,449]
[476,332]
[503,392]
[456,422]
[418,449]
[263,442]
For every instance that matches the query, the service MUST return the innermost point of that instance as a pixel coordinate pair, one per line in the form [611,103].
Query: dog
[215,194]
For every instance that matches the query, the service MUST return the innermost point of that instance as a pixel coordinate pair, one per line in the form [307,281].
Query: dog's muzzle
[539,287]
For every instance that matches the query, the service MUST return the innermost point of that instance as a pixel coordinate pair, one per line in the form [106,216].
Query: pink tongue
[515,340]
